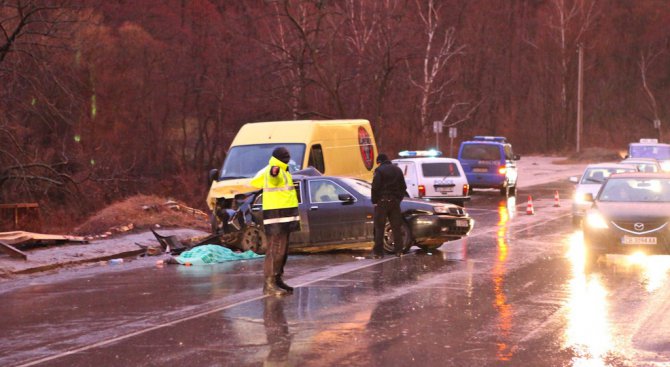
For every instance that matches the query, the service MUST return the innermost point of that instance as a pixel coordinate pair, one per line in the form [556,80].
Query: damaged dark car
[336,213]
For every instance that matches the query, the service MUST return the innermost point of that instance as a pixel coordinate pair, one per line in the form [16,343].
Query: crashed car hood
[228,189]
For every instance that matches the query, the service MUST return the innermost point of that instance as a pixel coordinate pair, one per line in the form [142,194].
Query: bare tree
[41,99]
[645,61]
[440,49]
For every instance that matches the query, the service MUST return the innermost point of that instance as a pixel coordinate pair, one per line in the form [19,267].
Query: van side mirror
[574,179]
[346,198]
[213,176]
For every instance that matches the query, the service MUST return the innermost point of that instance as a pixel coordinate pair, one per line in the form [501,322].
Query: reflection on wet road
[515,293]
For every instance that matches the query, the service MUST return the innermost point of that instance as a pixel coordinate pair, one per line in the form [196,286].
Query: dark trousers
[276,330]
[276,253]
[387,208]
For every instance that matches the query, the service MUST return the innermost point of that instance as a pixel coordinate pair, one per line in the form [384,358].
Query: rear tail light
[466,188]
[422,191]
[502,170]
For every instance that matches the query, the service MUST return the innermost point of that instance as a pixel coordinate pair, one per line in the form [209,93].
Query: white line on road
[330,274]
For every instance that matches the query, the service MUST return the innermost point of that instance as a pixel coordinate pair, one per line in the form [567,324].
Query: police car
[430,176]
[489,162]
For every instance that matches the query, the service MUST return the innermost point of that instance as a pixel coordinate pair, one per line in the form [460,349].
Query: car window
[440,169]
[316,158]
[508,152]
[483,152]
[325,191]
[599,174]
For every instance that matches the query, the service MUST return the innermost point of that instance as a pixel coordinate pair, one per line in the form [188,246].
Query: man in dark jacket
[388,189]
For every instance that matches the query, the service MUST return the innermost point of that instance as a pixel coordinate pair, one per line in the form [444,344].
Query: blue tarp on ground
[213,254]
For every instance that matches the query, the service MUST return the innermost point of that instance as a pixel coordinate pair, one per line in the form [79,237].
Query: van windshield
[482,152]
[244,161]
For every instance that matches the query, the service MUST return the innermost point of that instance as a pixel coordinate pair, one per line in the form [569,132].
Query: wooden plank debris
[13,251]
[22,237]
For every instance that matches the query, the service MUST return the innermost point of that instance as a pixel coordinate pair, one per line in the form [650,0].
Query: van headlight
[596,220]
[665,166]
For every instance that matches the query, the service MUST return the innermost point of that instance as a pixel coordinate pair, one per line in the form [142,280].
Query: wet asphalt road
[512,294]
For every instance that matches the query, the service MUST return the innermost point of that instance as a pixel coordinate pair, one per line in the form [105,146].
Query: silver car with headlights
[630,213]
[590,182]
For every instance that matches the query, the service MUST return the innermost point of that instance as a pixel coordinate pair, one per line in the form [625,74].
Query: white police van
[651,148]
[429,176]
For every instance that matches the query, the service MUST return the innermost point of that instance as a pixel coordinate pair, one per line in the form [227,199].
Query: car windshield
[244,161]
[362,187]
[597,175]
[440,169]
[483,152]
[644,166]
[636,190]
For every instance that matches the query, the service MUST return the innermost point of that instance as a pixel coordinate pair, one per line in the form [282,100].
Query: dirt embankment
[142,212]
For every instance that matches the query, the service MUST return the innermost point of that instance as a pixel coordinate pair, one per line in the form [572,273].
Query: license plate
[461,223]
[628,240]
[480,170]
[445,189]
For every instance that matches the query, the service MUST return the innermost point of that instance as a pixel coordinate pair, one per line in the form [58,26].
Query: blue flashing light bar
[499,139]
[420,153]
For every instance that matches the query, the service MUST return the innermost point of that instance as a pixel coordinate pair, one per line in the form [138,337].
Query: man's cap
[282,154]
[382,158]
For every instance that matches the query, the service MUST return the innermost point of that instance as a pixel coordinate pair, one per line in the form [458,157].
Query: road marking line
[187,318]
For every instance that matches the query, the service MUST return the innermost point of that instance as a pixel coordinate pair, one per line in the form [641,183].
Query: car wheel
[388,237]
[253,238]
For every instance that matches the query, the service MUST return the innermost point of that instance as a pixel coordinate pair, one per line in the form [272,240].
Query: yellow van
[334,147]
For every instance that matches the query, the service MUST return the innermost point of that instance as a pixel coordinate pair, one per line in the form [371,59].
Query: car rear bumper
[486,180]
[435,229]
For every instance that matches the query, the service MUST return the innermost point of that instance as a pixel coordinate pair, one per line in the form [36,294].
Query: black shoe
[282,285]
[271,288]
[376,256]
[399,254]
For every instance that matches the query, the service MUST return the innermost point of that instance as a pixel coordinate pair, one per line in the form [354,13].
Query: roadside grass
[592,155]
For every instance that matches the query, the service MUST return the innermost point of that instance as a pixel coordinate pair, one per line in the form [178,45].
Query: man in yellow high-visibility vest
[280,218]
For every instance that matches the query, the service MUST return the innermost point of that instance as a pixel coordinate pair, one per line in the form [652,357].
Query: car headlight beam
[596,220]
[441,209]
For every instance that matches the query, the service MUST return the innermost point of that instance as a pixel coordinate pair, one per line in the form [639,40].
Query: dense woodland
[100,100]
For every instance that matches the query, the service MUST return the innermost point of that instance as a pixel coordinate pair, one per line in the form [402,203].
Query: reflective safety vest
[278,193]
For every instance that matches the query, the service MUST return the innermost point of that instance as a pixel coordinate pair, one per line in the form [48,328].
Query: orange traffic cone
[556,201]
[529,207]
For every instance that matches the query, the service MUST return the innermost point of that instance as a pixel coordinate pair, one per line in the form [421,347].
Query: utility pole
[580,96]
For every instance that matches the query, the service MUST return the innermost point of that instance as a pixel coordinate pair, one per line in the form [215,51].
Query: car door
[327,214]
[409,171]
